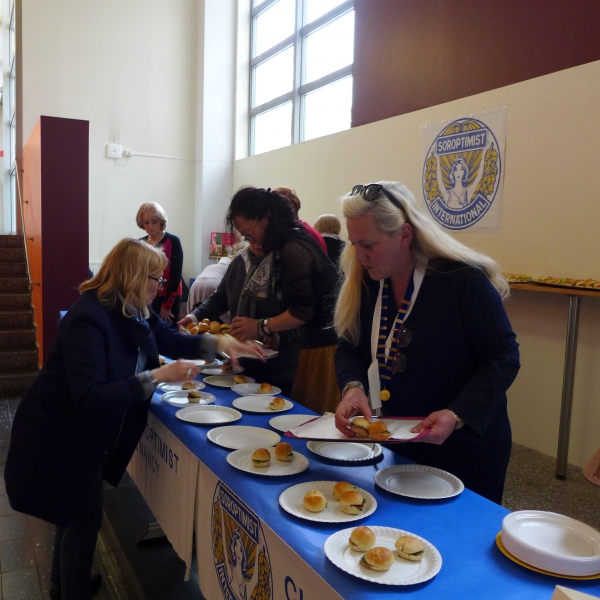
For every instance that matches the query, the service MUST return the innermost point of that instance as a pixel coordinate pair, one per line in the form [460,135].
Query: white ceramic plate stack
[286,422]
[243,436]
[402,572]
[291,501]
[345,451]
[175,386]
[251,389]
[208,415]
[259,404]
[242,459]
[224,381]
[552,542]
[419,481]
[180,398]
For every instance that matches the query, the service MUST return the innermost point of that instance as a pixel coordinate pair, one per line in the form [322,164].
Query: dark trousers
[75,544]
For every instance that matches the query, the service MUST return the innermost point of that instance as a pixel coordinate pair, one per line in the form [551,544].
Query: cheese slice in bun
[340,488]
[314,501]
[410,548]
[362,539]
[284,452]
[277,404]
[360,426]
[261,458]
[194,396]
[378,431]
[378,559]
[352,503]
[188,385]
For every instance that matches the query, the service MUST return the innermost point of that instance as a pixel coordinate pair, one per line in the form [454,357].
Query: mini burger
[284,452]
[378,431]
[265,388]
[378,559]
[340,488]
[361,539]
[194,396]
[226,367]
[360,426]
[239,379]
[352,503]
[277,404]
[314,501]
[261,458]
[410,548]
[188,385]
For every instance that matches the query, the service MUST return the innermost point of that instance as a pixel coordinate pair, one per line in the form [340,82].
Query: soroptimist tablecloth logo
[239,549]
[462,171]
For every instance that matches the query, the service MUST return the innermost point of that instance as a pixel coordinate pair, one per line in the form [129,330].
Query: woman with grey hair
[424,333]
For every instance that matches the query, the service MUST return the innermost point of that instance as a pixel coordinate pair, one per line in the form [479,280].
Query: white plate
[402,572]
[251,389]
[552,542]
[243,436]
[291,501]
[242,460]
[345,451]
[259,404]
[419,481]
[180,398]
[225,381]
[286,422]
[208,415]
[175,386]
[216,370]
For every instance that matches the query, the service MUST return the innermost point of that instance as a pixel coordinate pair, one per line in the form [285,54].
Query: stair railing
[25,238]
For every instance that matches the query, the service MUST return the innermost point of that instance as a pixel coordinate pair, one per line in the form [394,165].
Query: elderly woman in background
[82,417]
[424,332]
[329,227]
[152,218]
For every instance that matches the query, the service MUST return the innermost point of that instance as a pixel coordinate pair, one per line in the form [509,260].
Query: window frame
[298,42]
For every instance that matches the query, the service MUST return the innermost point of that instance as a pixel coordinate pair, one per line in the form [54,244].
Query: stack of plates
[553,543]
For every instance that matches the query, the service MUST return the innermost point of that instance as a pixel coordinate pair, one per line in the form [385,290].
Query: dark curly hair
[257,203]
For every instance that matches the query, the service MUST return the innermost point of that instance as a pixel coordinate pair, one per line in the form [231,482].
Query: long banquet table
[288,560]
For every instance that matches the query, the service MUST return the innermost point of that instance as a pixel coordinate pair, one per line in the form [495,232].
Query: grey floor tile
[21,585]
[14,527]
[4,413]
[16,554]
[12,407]
[39,528]
[43,548]
[5,508]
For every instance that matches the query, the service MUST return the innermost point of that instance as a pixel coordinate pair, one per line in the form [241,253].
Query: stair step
[13,285]
[13,269]
[15,302]
[11,241]
[17,360]
[15,384]
[16,319]
[15,255]
[17,339]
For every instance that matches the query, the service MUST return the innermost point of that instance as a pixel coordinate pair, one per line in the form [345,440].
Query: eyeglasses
[404,337]
[370,192]
[248,236]
[161,280]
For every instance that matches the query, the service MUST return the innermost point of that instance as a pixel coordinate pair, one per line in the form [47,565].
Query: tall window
[300,70]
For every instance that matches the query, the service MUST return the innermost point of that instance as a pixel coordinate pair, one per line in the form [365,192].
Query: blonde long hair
[123,276]
[429,243]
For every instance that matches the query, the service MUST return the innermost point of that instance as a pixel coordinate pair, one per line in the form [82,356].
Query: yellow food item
[207,321]
[215,327]
[194,330]
[190,325]
[202,327]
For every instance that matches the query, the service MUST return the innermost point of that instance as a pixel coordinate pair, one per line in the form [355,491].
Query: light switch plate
[114,151]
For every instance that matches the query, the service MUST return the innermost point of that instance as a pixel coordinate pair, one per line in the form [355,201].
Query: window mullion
[298,64]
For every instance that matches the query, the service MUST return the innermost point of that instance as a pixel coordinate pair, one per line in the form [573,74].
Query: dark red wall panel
[412,54]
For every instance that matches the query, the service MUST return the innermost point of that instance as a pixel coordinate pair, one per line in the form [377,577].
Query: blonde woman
[82,417]
[424,333]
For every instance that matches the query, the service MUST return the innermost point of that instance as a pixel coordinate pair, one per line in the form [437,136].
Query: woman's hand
[442,424]
[354,401]
[180,370]
[244,328]
[166,315]
[185,321]
[235,349]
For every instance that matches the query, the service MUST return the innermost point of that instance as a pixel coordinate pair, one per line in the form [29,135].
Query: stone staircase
[18,348]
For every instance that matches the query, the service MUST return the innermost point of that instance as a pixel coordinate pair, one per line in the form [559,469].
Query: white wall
[129,67]
[550,224]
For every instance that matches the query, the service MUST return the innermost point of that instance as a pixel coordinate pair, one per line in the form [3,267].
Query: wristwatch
[459,421]
[265,327]
[352,384]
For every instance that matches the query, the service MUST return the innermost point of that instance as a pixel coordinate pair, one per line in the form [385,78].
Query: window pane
[274,25]
[316,8]
[327,109]
[274,77]
[330,48]
[273,129]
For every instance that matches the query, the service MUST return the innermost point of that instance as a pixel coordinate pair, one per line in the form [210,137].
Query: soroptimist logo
[239,549]
[459,187]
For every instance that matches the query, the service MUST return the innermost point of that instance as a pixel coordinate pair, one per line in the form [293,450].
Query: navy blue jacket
[463,356]
[86,408]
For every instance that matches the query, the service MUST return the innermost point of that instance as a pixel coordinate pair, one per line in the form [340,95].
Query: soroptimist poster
[463,169]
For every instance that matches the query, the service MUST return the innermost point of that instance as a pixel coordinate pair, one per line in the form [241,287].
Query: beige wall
[550,224]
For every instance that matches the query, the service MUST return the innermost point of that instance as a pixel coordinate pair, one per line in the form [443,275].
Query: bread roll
[265,388]
[340,488]
[314,501]
[378,559]
[352,503]
[194,396]
[277,404]
[261,458]
[361,539]
[360,426]
[239,379]
[284,452]
[410,548]
[188,385]
[378,431]
[226,366]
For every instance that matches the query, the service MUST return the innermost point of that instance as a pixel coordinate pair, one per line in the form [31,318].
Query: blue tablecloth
[463,528]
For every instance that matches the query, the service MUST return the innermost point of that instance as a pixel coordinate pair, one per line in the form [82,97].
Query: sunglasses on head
[370,192]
